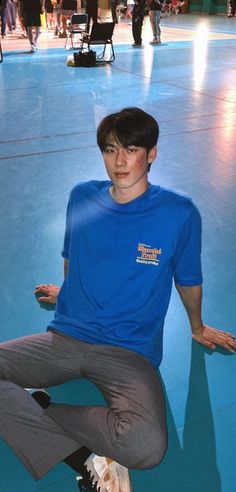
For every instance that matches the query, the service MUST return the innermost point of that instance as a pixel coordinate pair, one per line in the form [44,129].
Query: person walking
[32,9]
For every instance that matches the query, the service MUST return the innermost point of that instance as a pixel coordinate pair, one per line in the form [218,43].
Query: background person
[11,15]
[48,7]
[3,17]
[57,16]
[68,7]
[232,4]
[155,7]
[20,16]
[92,12]
[130,6]
[32,9]
[114,4]
[137,22]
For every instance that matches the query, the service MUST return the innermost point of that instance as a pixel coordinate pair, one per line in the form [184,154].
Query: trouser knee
[152,453]
[143,448]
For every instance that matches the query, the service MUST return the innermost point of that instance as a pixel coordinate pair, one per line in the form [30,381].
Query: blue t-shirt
[122,260]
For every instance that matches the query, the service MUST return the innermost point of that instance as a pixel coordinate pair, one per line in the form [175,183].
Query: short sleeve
[66,245]
[187,257]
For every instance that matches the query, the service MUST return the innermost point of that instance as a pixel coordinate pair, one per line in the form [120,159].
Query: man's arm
[50,291]
[210,337]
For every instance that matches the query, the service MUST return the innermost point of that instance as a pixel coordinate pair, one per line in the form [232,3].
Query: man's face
[127,167]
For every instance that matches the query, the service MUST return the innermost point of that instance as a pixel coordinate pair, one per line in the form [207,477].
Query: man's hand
[206,335]
[211,337]
[49,293]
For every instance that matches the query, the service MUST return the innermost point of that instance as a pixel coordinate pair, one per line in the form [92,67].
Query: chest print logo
[148,255]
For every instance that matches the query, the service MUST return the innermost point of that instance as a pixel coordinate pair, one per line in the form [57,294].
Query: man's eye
[131,149]
[109,150]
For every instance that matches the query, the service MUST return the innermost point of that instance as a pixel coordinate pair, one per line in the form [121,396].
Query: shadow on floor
[190,462]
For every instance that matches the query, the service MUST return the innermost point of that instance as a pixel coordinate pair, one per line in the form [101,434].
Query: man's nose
[121,157]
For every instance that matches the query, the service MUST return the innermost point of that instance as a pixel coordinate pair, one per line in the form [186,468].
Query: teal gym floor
[49,114]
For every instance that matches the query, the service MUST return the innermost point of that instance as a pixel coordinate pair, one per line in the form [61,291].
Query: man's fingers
[210,345]
[41,287]
[43,299]
[226,344]
[229,346]
[47,299]
[204,342]
[229,335]
[211,337]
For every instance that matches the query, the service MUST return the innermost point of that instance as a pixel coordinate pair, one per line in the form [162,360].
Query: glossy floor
[49,113]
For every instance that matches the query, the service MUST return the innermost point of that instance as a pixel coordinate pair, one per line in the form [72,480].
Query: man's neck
[122,195]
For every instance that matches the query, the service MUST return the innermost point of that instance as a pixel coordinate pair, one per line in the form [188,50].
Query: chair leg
[112,53]
[100,58]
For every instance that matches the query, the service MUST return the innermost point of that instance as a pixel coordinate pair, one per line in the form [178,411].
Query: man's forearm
[191,298]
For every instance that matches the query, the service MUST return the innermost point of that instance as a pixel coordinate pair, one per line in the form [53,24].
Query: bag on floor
[85,58]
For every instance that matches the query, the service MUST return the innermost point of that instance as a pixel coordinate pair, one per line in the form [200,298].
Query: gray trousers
[131,429]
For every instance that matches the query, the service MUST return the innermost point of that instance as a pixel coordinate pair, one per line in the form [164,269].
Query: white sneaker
[104,475]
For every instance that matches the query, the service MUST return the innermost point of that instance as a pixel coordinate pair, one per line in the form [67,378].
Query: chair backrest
[78,19]
[102,31]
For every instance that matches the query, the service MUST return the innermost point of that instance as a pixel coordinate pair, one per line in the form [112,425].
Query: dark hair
[130,126]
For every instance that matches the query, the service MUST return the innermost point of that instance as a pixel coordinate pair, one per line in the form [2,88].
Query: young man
[125,241]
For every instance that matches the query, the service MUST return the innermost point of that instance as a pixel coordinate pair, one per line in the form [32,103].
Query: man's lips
[121,175]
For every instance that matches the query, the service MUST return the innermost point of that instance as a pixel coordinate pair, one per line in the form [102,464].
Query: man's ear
[152,154]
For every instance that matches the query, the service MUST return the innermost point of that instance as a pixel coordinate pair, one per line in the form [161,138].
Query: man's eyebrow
[109,144]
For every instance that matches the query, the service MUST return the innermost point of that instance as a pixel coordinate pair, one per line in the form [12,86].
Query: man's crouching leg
[36,439]
[132,428]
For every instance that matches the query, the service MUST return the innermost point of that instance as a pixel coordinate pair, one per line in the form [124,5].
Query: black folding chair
[77,27]
[101,34]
